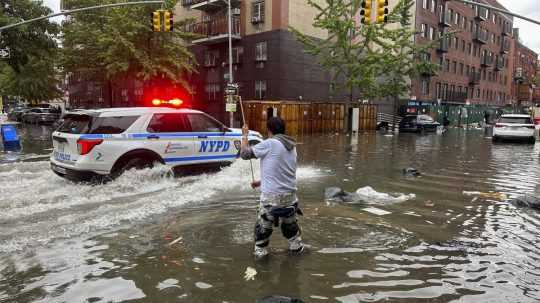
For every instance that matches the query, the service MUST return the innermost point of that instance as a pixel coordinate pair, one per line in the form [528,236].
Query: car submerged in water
[100,145]
[418,124]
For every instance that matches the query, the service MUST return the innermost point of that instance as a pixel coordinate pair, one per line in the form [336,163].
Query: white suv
[514,127]
[98,145]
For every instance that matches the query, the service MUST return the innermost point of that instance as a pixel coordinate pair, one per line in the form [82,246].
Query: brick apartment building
[268,62]
[476,61]
[525,69]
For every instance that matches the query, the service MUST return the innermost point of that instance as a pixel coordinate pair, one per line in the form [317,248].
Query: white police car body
[93,144]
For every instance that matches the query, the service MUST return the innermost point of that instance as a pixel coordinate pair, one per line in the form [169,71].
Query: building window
[261,51]
[260,89]
[212,90]
[463,46]
[210,58]
[454,67]
[432,33]
[467,70]
[433,5]
[425,87]
[425,4]
[438,93]
[423,30]
[445,92]
[457,18]
[257,12]
[461,69]
[456,42]
[477,93]
[447,65]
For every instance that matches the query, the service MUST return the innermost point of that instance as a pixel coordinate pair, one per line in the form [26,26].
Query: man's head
[275,126]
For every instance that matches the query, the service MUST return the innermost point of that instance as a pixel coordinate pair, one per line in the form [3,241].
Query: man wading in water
[278,186]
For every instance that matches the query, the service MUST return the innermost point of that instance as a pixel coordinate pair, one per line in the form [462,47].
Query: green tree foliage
[376,59]
[31,70]
[119,42]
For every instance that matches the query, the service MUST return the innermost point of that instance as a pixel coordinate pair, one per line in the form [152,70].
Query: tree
[31,70]
[346,51]
[377,59]
[119,43]
[399,57]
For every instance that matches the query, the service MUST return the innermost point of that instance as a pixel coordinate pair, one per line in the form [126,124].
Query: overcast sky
[530,33]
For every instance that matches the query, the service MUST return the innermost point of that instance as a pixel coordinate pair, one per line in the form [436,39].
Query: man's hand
[245,130]
[255,184]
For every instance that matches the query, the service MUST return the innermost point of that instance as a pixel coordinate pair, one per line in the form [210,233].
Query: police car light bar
[173,102]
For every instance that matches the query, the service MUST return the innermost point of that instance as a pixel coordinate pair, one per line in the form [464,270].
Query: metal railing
[214,27]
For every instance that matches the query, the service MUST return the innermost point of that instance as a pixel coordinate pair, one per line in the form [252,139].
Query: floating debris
[203,285]
[198,260]
[376,211]
[411,172]
[250,273]
[490,195]
[429,203]
[168,284]
[175,241]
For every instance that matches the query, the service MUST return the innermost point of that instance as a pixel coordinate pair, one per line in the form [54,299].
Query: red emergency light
[174,102]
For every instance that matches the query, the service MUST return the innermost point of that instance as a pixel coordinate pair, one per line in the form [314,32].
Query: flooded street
[149,237]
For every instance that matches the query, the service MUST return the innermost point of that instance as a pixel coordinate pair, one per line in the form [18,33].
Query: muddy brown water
[65,242]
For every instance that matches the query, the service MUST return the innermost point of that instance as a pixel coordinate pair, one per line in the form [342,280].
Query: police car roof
[125,111]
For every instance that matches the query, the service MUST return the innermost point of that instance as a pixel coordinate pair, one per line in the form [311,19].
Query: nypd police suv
[96,145]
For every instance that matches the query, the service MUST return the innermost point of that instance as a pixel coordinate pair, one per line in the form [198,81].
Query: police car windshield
[86,124]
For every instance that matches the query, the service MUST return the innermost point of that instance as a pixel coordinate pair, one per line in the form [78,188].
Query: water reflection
[66,242]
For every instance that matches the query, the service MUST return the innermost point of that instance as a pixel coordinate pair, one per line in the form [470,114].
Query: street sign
[4,53]
[230,107]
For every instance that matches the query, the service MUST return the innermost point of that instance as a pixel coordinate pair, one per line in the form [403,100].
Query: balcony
[481,13]
[208,5]
[443,45]
[507,29]
[499,64]
[214,30]
[480,36]
[457,97]
[474,78]
[486,61]
[505,46]
[445,19]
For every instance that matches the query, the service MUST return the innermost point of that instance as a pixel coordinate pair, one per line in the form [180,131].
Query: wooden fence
[301,118]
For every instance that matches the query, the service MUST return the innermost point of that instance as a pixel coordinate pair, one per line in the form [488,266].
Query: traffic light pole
[500,10]
[69,12]
[231,80]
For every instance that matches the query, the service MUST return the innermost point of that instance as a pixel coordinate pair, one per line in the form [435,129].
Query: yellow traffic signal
[156,21]
[167,21]
[365,11]
[382,11]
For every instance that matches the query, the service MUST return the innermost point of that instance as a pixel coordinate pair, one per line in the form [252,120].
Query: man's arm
[246,152]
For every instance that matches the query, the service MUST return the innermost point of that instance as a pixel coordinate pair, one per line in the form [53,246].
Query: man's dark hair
[276,125]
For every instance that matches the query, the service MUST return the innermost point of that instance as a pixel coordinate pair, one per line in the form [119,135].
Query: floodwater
[65,242]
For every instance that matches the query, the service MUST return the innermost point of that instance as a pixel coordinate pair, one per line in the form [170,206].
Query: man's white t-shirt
[278,167]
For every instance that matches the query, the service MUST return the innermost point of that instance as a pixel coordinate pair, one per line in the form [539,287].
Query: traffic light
[382,11]
[167,21]
[156,21]
[365,11]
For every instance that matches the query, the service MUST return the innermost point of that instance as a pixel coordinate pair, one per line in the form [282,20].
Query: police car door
[211,143]
[170,135]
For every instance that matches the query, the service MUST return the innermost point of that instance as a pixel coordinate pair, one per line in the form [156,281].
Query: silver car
[40,115]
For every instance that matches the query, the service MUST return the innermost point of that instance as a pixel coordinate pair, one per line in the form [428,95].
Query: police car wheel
[133,163]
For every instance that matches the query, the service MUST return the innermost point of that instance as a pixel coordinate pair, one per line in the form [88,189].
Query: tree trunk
[396,101]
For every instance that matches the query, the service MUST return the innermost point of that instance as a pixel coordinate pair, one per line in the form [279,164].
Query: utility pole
[231,79]
[500,10]
[69,12]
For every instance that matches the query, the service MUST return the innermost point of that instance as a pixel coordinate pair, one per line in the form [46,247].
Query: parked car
[418,123]
[16,113]
[40,115]
[514,126]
